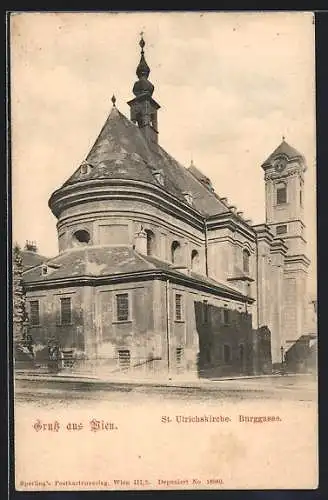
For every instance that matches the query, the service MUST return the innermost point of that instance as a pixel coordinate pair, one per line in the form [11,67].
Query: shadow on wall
[301,357]
[228,345]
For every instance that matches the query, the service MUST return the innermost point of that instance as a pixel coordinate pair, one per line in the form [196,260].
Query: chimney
[31,246]
[140,240]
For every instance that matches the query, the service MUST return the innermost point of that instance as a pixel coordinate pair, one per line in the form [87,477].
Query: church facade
[156,271]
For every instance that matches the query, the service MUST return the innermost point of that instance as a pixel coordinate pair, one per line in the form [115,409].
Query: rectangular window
[65,311]
[205,311]
[281,195]
[179,354]
[226,353]
[124,358]
[281,229]
[34,313]
[122,307]
[178,307]
[225,316]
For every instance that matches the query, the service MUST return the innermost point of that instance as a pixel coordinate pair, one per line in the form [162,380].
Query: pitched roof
[122,152]
[31,259]
[284,149]
[93,261]
[105,261]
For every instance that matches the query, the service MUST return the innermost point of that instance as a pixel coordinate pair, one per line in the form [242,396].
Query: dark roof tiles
[122,152]
[286,150]
[110,261]
[31,259]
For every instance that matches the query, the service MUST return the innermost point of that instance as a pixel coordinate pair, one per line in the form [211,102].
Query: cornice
[263,233]
[229,220]
[152,274]
[123,189]
[272,175]
[299,258]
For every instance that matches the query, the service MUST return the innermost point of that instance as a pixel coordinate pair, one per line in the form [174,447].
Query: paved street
[60,391]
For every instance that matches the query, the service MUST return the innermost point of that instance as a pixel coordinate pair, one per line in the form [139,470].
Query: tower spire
[143,70]
[143,107]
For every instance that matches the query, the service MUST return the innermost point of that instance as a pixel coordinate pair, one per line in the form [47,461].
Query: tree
[20,317]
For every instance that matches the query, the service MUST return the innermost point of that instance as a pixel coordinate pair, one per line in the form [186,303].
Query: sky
[230,85]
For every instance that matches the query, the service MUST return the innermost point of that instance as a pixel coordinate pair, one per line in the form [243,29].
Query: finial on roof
[142,42]
[143,69]
[283,137]
[113,100]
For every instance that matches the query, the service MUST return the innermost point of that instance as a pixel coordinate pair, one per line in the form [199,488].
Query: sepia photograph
[164,279]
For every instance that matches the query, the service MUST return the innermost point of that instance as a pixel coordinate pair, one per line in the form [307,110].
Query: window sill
[122,322]
[179,321]
[281,205]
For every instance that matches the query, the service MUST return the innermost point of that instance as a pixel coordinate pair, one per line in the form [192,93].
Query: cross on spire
[142,42]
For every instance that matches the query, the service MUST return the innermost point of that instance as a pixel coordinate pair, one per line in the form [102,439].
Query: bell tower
[284,204]
[143,107]
[284,196]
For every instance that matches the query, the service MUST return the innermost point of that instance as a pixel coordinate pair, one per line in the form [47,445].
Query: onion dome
[143,85]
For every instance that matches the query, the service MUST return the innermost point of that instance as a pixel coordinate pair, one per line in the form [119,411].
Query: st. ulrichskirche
[157,274]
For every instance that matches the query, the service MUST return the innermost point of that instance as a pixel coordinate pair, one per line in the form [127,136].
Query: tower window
[122,307]
[178,307]
[65,311]
[34,313]
[281,194]
[246,256]
[281,229]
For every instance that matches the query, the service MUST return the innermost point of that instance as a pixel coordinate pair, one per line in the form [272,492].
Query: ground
[146,436]
[63,390]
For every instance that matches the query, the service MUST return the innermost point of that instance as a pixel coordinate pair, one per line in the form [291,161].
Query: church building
[156,273]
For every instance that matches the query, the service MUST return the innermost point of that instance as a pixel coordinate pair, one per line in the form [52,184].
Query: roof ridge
[186,169]
[141,257]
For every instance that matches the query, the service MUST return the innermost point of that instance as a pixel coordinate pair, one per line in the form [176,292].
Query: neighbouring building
[156,271]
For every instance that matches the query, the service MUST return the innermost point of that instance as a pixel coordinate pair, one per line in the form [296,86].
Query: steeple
[143,108]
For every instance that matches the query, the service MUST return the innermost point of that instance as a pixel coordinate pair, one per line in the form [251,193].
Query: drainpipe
[257,305]
[206,248]
[257,284]
[168,324]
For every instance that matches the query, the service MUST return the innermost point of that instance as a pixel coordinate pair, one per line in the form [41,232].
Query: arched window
[150,242]
[194,260]
[281,190]
[175,252]
[246,256]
